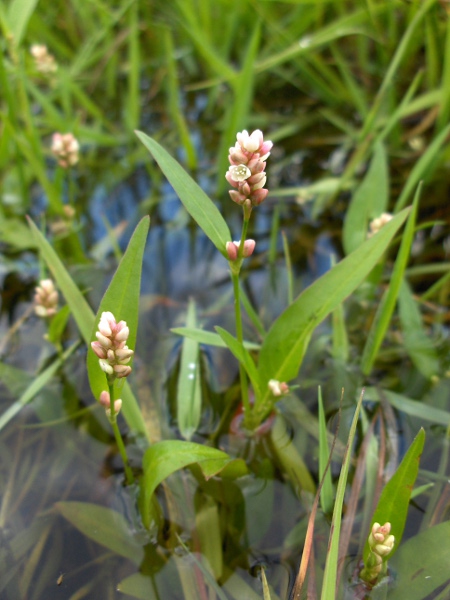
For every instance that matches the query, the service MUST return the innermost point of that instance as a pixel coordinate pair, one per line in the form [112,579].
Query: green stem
[119,441]
[235,271]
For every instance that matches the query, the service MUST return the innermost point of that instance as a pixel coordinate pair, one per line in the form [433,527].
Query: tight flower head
[247,171]
[44,61]
[381,544]
[45,299]
[65,147]
[110,347]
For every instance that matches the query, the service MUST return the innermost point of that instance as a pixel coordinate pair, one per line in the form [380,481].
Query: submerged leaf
[103,525]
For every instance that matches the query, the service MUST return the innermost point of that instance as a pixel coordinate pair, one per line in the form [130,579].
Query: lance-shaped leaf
[85,319]
[122,299]
[199,206]
[394,500]
[286,342]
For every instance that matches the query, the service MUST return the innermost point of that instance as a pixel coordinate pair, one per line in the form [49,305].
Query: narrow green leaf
[288,455]
[85,320]
[410,407]
[199,206]
[285,344]
[394,500]
[122,299]
[369,201]
[164,458]
[19,13]
[387,304]
[208,338]
[189,398]
[330,572]
[418,345]
[103,525]
[35,387]
[243,357]
[326,493]
[421,564]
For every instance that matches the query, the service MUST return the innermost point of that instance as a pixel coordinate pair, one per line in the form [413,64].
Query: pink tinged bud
[237,157]
[278,388]
[103,340]
[256,165]
[232,250]
[105,399]
[258,196]
[117,407]
[249,246]
[105,366]
[237,197]
[123,334]
[98,349]
[106,324]
[124,354]
[257,181]
[122,370]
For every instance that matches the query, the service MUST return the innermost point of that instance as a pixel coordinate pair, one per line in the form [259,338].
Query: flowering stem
[238,316]
[119,441]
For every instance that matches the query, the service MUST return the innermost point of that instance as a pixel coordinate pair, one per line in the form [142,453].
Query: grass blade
[330,573]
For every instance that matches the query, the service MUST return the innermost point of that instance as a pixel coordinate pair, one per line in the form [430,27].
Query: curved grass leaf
[330,573]
[285,344]
[413,408]
[421,564]
[394,500]
[85,319]
[387,305]
[209,338]
[368,201]
[243,357]
[166,457]
[197,203]
[103,525]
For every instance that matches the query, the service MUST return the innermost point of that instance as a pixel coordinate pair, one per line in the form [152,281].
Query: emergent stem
[119,441]
[237,311]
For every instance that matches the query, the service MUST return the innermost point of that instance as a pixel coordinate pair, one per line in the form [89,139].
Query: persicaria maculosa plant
[114,356]
[248,177]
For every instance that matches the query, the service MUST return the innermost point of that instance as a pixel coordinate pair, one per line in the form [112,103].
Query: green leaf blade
[197,203]
[166,457]
[285,344]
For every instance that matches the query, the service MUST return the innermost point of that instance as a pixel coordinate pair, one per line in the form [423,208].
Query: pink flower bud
[98,349]
[122,370]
